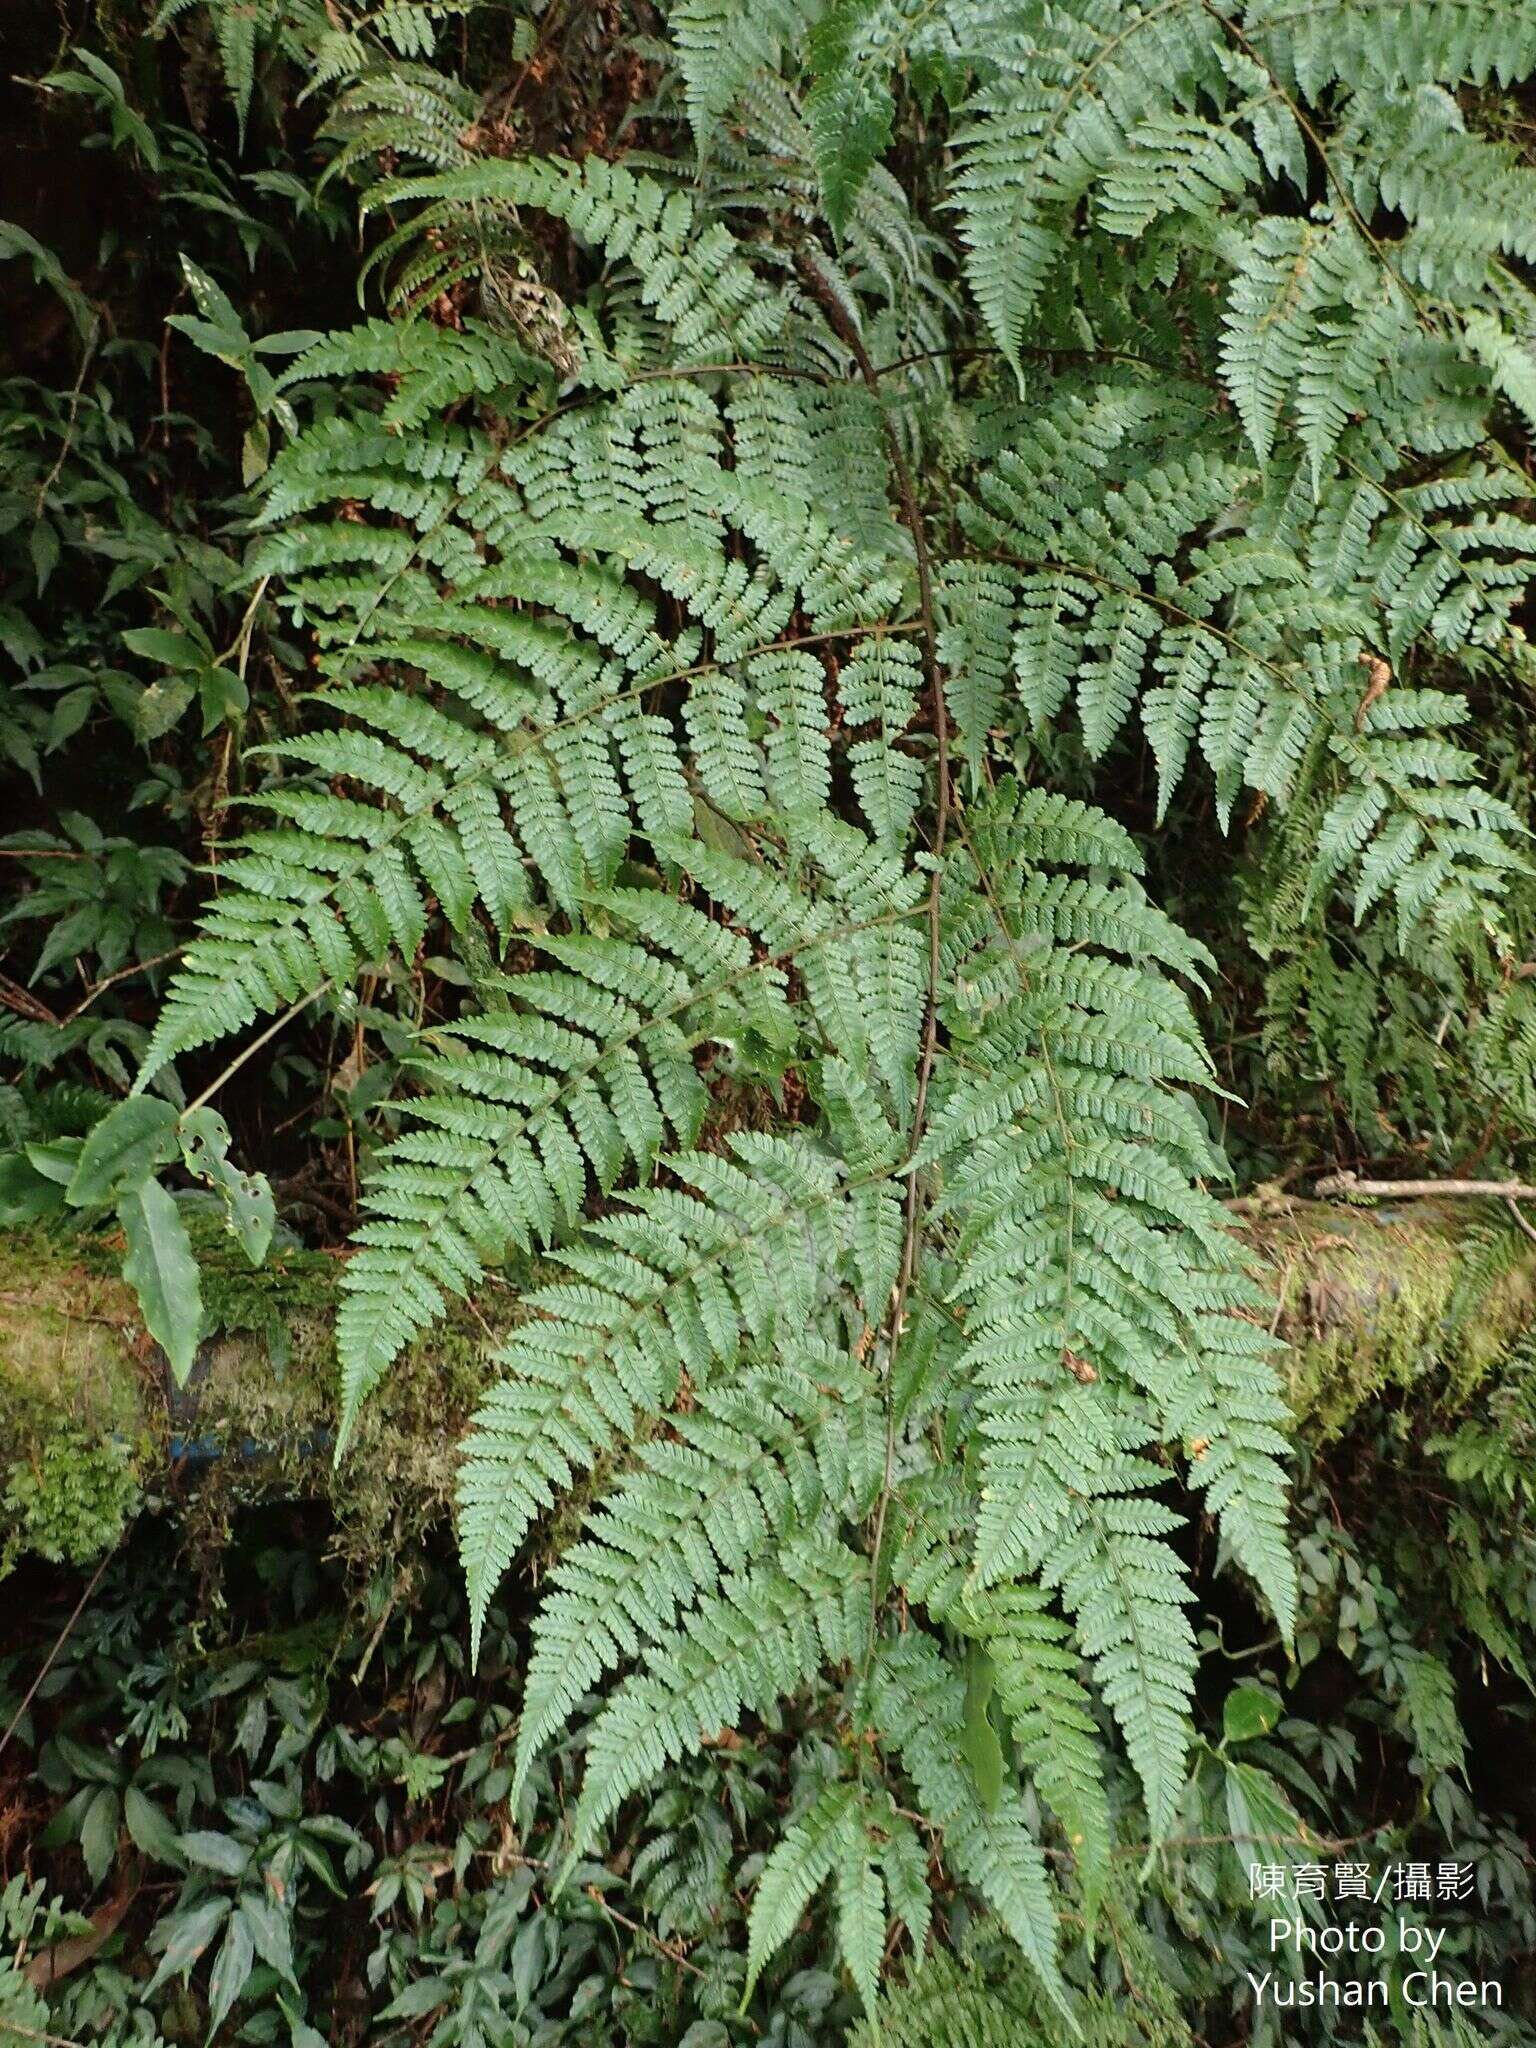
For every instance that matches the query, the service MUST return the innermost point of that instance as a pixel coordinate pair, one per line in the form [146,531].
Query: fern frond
[750,1464]
[1087,1255]
[950,2006]
[851,1835]
[720,49]
[1070,92]
[690,275]
[673,1285]
[548,716]
[587,1070]
[760,1639]
[916,1702]
[1127,1592]
[1125,577]
[1051,1717]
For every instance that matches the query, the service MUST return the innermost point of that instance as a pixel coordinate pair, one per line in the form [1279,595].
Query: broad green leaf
[978,1739]
[301,2033]
[98,1833]
[247,1197]
[158,643]
[210,1850]
[95,1766]
[290,342]
[211,300]
[224,697]
[186,1936]
[56,1158]
[231,1968]
[1265,1825]
[162,1272]
[425,1995]
[1250,1710]
[151,1831]
[26,1196]
[124,1148]
[270,1932]
[162,704]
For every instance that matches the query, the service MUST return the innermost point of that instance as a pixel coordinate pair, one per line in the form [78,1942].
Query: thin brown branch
[673,1955]
[249,1051]
[24,1003]
[86,356]
[14,2027]
[123,974]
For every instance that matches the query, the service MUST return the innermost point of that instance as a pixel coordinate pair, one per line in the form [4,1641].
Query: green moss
[65,1337]
[71,1502]
[256,1422]
[1372,1300]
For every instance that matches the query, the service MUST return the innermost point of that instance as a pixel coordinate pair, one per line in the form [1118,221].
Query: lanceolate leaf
[158,1265]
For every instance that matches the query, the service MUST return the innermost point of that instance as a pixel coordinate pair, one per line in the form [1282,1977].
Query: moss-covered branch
[1424,1296]
[1369,1300]
[91,1425]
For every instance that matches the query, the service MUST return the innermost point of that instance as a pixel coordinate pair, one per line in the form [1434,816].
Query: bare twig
[256,1044]
[672,1955]
[86,356]
[52,1658]
[1409,1190]
[24,1003]
[70,1315]
[123,974]
[9,2027]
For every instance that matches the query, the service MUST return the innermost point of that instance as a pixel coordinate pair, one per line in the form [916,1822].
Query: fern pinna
[682,644]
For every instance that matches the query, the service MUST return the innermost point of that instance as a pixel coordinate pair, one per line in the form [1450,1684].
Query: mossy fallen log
[92,1428]
[1418,1298]
[1373,1301]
